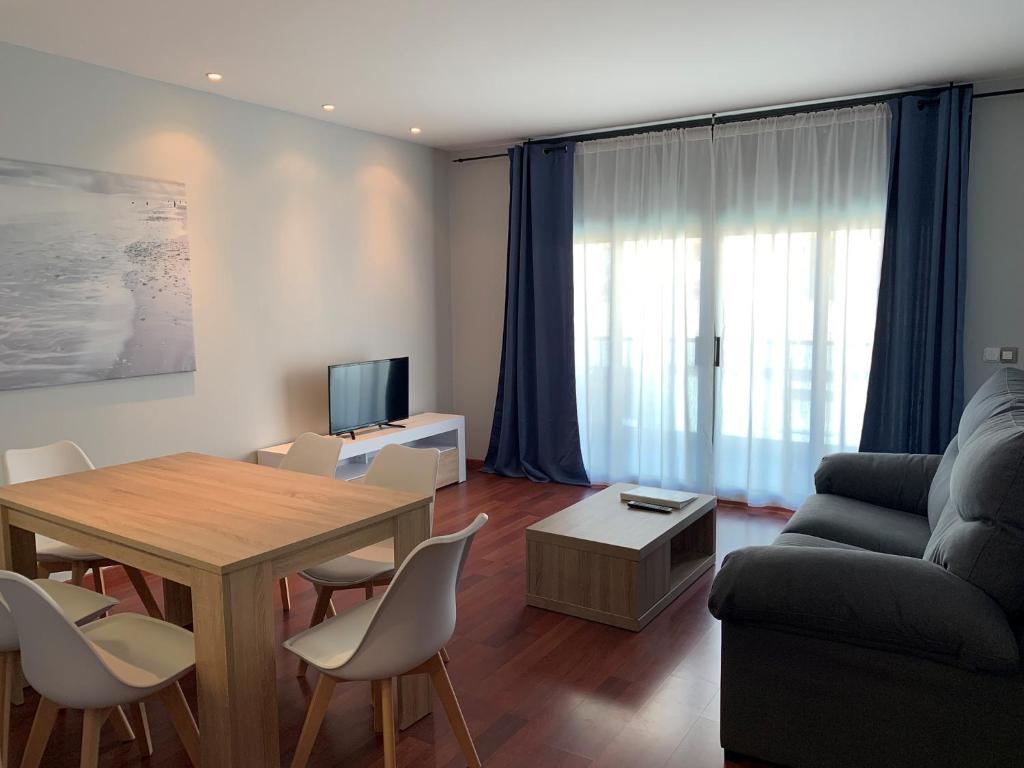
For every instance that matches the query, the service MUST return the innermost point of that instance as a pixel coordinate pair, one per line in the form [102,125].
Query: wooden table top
[206,512]
[603,523]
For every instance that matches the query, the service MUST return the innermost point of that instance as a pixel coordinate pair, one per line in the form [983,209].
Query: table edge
[190,562]
[709,504]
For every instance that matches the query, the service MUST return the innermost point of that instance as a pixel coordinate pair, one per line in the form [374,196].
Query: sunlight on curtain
[644,382]
[799,211]
[770,233]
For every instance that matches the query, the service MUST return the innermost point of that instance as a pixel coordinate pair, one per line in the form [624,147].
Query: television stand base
[444,431]
[390,424]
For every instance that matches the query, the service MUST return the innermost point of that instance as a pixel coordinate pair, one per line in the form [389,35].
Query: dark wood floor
[538,689]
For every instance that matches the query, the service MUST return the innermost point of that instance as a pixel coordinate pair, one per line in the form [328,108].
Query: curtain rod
[998,93]
[735,117]
[697,122]
[478,157]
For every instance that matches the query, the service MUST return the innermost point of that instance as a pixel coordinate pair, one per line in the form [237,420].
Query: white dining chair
[399,633]
[119,660]
[22,465]
[399,468]
[78,605]
[311,454]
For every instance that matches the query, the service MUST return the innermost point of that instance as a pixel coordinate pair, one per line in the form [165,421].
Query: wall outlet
[1008,355]
[990,355]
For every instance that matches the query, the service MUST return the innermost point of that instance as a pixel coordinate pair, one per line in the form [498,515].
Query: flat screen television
[367,394]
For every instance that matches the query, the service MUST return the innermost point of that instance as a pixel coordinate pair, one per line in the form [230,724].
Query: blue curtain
[535,432]
[916,385]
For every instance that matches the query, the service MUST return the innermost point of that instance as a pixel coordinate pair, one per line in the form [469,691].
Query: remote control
[650,507]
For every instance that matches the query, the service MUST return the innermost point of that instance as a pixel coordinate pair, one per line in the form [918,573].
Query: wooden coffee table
[601,560]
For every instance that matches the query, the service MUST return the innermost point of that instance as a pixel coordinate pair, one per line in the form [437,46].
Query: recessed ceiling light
[214,77]
[415,130]
[327,107]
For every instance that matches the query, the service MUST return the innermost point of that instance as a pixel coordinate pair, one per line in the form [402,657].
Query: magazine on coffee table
[661,496]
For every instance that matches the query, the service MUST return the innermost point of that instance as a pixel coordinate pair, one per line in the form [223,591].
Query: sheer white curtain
[644,318]
[767,234]
[799,211]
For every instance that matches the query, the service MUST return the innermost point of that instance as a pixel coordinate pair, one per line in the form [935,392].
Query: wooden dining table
[222,533]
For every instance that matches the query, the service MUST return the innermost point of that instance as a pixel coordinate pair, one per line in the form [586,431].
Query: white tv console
[444,431]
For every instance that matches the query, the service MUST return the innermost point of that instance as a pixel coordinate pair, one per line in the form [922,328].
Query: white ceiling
[478,72]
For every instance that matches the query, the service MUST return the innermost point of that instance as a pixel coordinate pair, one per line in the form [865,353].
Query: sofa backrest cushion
[979,534]
[938,492]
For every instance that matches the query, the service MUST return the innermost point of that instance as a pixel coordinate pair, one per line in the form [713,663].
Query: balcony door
[725,286]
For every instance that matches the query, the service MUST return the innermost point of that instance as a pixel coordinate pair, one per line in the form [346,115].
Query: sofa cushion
[979,535]
[938,494]
[803,540]
[1003,393]
[898,480]
[860,524]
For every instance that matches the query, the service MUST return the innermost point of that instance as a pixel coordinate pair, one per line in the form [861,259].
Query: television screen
[365,394]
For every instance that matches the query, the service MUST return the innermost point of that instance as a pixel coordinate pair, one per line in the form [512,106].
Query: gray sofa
[884,627]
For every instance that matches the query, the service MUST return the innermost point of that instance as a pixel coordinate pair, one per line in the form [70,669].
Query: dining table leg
[235,668]
[414,701]
[19,547]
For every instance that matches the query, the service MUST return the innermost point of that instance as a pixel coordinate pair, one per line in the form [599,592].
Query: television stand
[444,431]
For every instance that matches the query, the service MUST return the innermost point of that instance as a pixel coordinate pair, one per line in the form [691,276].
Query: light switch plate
[990,355]
[1008,355]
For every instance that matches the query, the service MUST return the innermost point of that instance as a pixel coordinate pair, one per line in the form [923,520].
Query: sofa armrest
[896,480]
[899,604]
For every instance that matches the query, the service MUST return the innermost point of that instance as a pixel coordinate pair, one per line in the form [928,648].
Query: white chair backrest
[57,659]
[21,465]
[402,468]
[313,454]
[416,616]
[24,464]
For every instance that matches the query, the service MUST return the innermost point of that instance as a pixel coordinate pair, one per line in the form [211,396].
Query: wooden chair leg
[286,595]
[122,727]
[369,590]
[314,719]
[39,736]
[78,569]
[145,593]
[97,580]
[140,724]
[445,657]
[387,704]
[445,692]
[8,673]
[91,726]
[323,604]
[182,720]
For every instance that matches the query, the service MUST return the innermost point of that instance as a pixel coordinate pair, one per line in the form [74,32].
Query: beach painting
[94,276]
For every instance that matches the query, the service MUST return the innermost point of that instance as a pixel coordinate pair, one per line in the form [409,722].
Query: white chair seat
[77,604]
[370,563]
[52,551]
[329,645]
[142,652]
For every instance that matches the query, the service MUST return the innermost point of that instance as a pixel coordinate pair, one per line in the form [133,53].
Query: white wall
[478,233]
[310,243]
[995,234]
